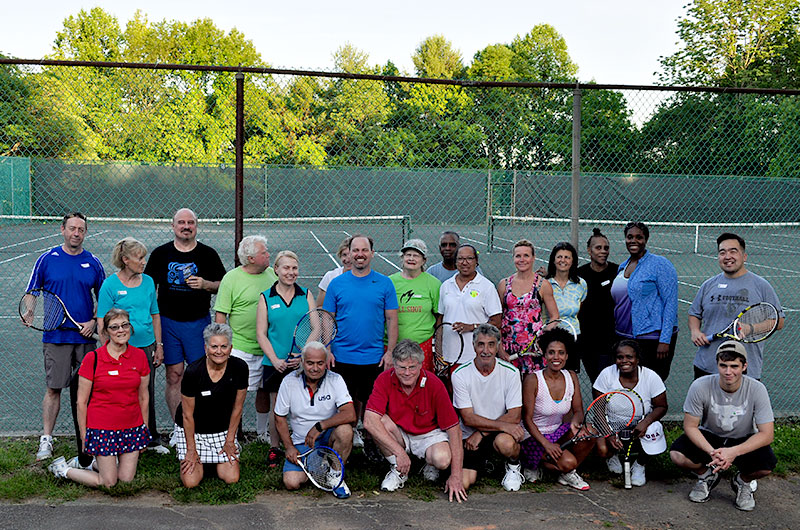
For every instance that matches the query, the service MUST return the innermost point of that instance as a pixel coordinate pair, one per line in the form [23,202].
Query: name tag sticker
[474,293]
[722,285]
[113,372]
[85,265]
[274,306]
[122,293]
[603,284]
[205,393]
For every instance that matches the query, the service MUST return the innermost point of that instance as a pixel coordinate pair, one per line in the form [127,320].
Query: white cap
[654,442]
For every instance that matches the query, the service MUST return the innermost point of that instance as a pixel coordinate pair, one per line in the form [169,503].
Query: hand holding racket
[455,342]
[754,324]
[316,325]
[532,348]
[323,466]
[43,310]
[608,414]
[627,435]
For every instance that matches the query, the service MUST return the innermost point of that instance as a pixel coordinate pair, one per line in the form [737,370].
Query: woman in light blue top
[132,290]
[645,294]
[569,291]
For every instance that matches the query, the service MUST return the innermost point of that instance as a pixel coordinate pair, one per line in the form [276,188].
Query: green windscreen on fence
[15,185]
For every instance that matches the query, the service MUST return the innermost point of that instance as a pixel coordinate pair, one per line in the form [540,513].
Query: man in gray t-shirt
[728,420]
[721,298]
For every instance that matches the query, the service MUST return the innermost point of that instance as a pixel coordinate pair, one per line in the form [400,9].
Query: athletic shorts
[359,378]
[208,446]
[61,362]
[272,378]
[255,367]
[417,444]
[762,459]
[476,460]
[324,438]
[183,341]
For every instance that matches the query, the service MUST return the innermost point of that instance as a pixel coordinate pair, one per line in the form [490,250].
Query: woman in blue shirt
[645,294]
[569,291]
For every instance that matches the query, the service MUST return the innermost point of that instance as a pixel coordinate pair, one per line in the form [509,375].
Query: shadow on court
[656,505]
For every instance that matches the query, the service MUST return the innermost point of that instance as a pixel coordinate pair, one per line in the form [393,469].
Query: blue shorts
[323,439]
[183,341]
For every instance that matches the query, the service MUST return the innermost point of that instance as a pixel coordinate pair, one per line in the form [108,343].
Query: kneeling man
[317,405]
[409,411]
[720,412]
[487,393]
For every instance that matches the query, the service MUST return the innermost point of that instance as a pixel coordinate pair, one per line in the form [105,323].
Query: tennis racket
[43,310]
[608,414]
[316,325]
[323,466]
[440,365]
[626,434]
[754,324]
[533,346]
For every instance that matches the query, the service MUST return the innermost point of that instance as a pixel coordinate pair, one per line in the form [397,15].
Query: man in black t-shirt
[186,273]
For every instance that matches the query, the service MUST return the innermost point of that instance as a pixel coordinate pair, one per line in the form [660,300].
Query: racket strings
[439,364]
[324,467]
[610,414]
[756,323]
[42,311]
[319,326]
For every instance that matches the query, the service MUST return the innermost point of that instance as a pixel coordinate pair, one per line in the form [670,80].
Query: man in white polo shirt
[317,405]
[487,393]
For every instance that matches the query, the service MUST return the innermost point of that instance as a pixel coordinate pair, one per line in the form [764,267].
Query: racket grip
[709,338]
[513,357]
[627,475]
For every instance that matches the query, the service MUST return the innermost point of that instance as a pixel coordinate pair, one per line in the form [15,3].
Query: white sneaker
[430,472]
[264,438]
[744,495]
[160,449]
[532,475]
[75,463]
[45,447]
[702,488]
[513,478]
[637,474]
[573,480]
[753,485]
[59,467]
[394,480]
[614,465]
[173,438]
[358,441]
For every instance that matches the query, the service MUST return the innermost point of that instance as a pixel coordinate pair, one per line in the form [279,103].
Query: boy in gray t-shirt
[728,420]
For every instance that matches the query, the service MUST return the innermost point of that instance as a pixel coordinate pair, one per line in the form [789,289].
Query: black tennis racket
[316,325]
[608,414]
[323,466]
[754,324]
[445,338]
[532,348]
[44,310]
[626,434]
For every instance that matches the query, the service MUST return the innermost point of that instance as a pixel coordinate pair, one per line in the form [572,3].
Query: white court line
[39,251]
[393,264]
[336,263]
[543,249]
[29,241]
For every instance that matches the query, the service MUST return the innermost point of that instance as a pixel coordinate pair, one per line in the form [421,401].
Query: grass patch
[22,478]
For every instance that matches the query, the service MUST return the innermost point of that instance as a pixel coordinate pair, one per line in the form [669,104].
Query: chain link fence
[327,155]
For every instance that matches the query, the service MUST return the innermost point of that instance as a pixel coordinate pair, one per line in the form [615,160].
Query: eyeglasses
[115,327]
[407,369]
[466,258]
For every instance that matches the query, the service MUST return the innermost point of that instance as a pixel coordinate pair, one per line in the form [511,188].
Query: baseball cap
[733,346]
[654,442]
[416,244]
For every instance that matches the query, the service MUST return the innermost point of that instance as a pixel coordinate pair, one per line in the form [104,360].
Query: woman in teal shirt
[279,309]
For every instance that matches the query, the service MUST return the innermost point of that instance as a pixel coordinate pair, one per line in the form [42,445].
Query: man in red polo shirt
[409,411]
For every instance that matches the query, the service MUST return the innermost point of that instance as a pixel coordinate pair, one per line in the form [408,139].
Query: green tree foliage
[435,57]
[752,43]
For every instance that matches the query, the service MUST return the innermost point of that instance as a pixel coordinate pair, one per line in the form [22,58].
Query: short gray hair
[487,330]
[215,329]
[407,349]
[247,247]
[313,345]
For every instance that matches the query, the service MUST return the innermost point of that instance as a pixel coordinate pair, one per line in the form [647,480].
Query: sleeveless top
[521,321]
[548,413]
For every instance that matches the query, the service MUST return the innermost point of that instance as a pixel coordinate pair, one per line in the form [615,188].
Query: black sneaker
[274,457]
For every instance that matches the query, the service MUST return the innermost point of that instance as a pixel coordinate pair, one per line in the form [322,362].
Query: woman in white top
[626,373]
[344,258]
[548,397]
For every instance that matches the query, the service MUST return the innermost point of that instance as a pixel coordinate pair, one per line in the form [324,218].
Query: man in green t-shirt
[236,305]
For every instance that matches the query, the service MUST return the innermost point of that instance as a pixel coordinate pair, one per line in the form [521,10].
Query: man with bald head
[186,273]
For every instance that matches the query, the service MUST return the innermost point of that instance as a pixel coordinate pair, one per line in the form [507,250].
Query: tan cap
[416,244]
[732,346]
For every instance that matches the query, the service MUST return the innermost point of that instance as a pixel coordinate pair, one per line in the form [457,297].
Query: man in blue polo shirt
[365,305]
[72,273]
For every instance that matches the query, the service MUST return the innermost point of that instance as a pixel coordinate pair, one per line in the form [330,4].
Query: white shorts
[255,367]
[417,444]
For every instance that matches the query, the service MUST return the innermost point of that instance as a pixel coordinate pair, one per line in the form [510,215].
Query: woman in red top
[112,407]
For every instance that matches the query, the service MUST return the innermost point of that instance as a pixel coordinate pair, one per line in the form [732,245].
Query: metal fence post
[239,147]
[576,167]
